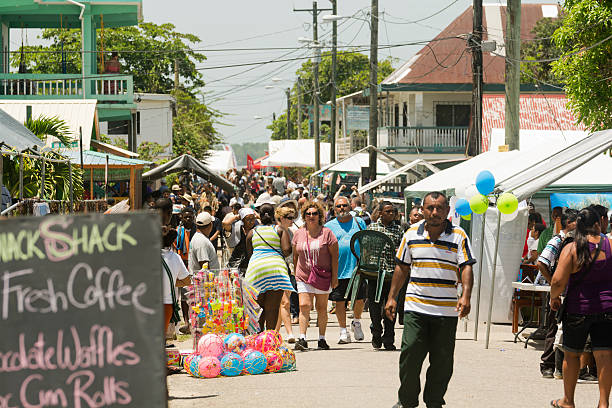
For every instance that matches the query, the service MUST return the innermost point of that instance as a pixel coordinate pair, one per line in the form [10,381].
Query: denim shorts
[577,327]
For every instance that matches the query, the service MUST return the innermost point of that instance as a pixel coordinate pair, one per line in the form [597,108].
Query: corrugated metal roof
[15,135]
[429,66]
[77,113]
[536,112]
[98,158]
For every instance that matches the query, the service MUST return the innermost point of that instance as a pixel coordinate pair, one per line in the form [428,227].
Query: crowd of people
[294,247]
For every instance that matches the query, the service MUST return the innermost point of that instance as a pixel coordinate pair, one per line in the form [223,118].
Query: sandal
[555,403]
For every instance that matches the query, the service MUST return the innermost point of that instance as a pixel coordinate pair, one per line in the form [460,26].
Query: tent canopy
[15,135]
[298,153]
[361,158]
[187,162]
[410,167]
[220,161]
[551,168]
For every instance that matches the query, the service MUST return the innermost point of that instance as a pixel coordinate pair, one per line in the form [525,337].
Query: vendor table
[530,287]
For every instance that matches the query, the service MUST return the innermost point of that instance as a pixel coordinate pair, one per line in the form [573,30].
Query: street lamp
[288,93]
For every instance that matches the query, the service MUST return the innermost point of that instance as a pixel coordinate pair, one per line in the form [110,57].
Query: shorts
[303,287]
[183,296]
[577,327]
[337,294]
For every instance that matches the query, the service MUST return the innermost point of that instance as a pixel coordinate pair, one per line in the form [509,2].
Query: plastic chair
[370,264]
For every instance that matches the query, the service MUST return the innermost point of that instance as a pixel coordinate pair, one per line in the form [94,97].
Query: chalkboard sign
[80,312]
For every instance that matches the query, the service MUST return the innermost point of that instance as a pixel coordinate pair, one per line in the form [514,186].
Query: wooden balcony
[422,139]
[113,88]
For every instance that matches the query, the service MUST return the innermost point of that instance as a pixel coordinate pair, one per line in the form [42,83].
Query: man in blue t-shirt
[344,226]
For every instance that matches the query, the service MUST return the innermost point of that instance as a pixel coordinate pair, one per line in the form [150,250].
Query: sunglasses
[341,205]
[312,214]
[290,217]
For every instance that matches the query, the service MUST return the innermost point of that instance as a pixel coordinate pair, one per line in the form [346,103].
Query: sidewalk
[354,375]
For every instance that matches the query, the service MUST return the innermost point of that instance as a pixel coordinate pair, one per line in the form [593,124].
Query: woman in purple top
[585,267]
[315,256]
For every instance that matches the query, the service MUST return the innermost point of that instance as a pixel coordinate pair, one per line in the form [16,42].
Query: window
[405,115]
[118,127]
[448,115]
[396,115]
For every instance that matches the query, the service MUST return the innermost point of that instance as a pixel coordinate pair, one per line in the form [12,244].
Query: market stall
[297,153]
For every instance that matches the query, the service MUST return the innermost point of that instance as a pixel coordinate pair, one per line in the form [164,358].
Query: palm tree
[45,126]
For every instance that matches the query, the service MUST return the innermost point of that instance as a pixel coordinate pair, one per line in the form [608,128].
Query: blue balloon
[231,365]
[462,206]
[255,363]
[485,182]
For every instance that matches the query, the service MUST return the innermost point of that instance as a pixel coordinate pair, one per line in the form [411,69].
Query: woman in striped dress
[267,270]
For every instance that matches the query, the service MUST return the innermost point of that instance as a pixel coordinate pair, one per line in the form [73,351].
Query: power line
[404,21]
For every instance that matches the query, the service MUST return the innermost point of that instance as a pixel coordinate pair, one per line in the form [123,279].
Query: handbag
[176,309]
[318,276]
[562,309]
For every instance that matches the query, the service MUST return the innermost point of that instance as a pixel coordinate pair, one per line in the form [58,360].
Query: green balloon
[479,203]
[507,203]
[467,217]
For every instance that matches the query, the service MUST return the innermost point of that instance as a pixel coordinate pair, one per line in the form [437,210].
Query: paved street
[354,375]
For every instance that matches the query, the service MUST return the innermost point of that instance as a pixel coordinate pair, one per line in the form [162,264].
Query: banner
[579,201]
[81,312]
[250,163]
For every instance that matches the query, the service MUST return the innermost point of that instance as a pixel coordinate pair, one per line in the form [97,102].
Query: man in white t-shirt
[201,250]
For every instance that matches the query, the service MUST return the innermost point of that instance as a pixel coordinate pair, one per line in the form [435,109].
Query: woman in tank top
[585,267]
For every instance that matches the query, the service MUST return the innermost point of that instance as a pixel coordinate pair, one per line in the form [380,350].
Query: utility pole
[332,153]
[373,86]
[299,108]
[513,84]
[315,91]
[176,74]
[475,43]
[288,92]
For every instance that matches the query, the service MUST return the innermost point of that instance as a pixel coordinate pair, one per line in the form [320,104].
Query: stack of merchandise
[236,355]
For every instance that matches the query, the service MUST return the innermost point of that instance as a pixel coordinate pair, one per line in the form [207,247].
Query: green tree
[149,54]
[586,65]
[194,132]
[45,126]
[352,75]
[541,48]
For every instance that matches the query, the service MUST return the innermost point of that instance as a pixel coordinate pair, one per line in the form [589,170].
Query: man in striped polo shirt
[436,256]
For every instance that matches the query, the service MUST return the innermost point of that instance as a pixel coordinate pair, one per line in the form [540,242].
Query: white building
[153,122]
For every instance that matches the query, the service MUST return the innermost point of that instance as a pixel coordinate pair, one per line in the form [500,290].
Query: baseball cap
[245,212]
[203,219]
[176,187]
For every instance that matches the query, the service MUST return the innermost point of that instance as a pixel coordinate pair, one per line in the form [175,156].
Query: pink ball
[210,345]
[268,340]
[209,367]
[246,352]
[275,361]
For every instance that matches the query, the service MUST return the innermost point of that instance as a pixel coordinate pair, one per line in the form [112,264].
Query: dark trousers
[401,299]
[294,300]
[426,334]
[377,315]
[548,357]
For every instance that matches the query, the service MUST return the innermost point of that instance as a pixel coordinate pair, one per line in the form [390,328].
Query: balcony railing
[105,88]
[423,139]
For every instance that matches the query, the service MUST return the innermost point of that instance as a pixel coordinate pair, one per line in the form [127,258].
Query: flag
[249,163]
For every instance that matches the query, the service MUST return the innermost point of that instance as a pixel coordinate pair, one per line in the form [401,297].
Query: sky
[240,92]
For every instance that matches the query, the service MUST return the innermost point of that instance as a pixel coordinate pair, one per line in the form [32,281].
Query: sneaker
[356,329]
[301,344]
[291,339]
[322,345]
[186,329]
[345,338]
[547,372]
[586,378]
[558,375]
[376,343]
[390,347]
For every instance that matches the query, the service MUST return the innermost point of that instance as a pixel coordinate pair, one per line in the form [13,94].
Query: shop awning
[15,135]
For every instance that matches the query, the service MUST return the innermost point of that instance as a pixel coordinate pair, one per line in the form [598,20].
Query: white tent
[548,170]
[220,161]
[410,167]
[298,153]
[361,158]
[530,140]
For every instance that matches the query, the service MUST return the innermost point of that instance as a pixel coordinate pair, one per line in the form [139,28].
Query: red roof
[425,67]
[536,112]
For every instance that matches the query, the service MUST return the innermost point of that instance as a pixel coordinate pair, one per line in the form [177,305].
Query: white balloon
[509,217]
[471,191]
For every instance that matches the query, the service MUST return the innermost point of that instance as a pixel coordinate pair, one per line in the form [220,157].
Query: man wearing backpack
[547,263]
